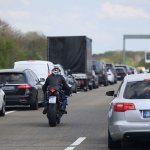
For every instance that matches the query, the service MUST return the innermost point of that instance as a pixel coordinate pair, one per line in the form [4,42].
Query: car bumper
[110,79]
[18,100]
[122,129]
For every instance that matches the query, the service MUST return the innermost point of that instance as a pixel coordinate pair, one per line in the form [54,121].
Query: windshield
[137,90]
[38,69]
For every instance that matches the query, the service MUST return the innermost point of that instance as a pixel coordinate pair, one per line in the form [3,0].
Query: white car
[40,67]
[129,112]
[110,76]
[2,101]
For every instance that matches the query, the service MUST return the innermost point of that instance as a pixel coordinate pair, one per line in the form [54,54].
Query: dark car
[21,87]
[121,73]
[126,67]
[101,71]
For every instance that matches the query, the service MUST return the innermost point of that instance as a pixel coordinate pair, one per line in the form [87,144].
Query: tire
[85,88]
[90,87]
[106,84]
[58,120]
[76,90]
[113,144]
[52,115]
[34,105]
[2,112]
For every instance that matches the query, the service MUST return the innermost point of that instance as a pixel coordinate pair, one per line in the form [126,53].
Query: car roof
[109,64]
[12,70]
[137,77]
[120,68]
[33,61]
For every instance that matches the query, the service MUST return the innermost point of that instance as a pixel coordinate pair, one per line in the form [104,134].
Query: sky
[104,21]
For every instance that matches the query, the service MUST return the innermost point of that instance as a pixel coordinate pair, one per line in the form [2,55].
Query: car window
[34,77]
[29,77]
[120,71]
[137,90]
[12,78]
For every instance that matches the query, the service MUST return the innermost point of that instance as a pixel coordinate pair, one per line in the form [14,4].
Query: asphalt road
[83,128]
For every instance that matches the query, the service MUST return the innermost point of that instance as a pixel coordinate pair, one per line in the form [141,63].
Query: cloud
[122,11]
[26,2]
[14,14]
[143,1]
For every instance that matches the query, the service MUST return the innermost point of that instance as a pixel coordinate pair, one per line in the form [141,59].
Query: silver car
[129,112]
[2,101]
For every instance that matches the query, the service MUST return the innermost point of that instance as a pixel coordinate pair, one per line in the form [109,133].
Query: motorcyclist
[57,81]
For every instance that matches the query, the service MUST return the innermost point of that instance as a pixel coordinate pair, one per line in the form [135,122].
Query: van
[40,67]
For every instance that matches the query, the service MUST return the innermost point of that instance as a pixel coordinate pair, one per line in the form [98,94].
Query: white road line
[70,148]
[78,141]
[9,112]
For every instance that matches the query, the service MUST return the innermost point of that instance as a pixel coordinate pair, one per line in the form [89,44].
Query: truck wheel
[106,83]
[90,87]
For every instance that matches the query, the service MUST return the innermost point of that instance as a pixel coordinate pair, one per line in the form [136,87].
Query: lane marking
[9,112]
[78,141]
[70,148]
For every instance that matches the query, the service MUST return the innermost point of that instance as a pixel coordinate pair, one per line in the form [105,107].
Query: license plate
[146,114]
[8,88]
[52,99]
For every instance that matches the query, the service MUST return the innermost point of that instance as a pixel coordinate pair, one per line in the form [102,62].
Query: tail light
[52,90]
[147,80]
[24,86]
[122,107]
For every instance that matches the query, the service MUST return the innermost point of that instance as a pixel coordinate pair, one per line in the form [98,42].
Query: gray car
[129,112]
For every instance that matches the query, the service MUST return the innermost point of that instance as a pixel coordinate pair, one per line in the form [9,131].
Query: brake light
[147,80]
[24,86]
[122,107]
[52,90]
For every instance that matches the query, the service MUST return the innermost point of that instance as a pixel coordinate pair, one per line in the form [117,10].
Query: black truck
[74,53]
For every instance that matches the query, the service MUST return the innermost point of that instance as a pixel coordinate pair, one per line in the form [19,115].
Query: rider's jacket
[57,82]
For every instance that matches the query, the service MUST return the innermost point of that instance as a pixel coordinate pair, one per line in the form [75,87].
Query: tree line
[133,58]
[15,45]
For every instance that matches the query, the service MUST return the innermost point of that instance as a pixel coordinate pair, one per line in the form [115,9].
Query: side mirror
[110,93]
[42,80]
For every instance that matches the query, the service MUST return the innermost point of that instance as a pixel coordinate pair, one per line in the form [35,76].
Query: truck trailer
[73,53]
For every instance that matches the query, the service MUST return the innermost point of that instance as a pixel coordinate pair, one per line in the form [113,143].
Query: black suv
[101,71]
[21,87]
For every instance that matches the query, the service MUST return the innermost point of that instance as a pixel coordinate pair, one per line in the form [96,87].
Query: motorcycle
[54,112]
